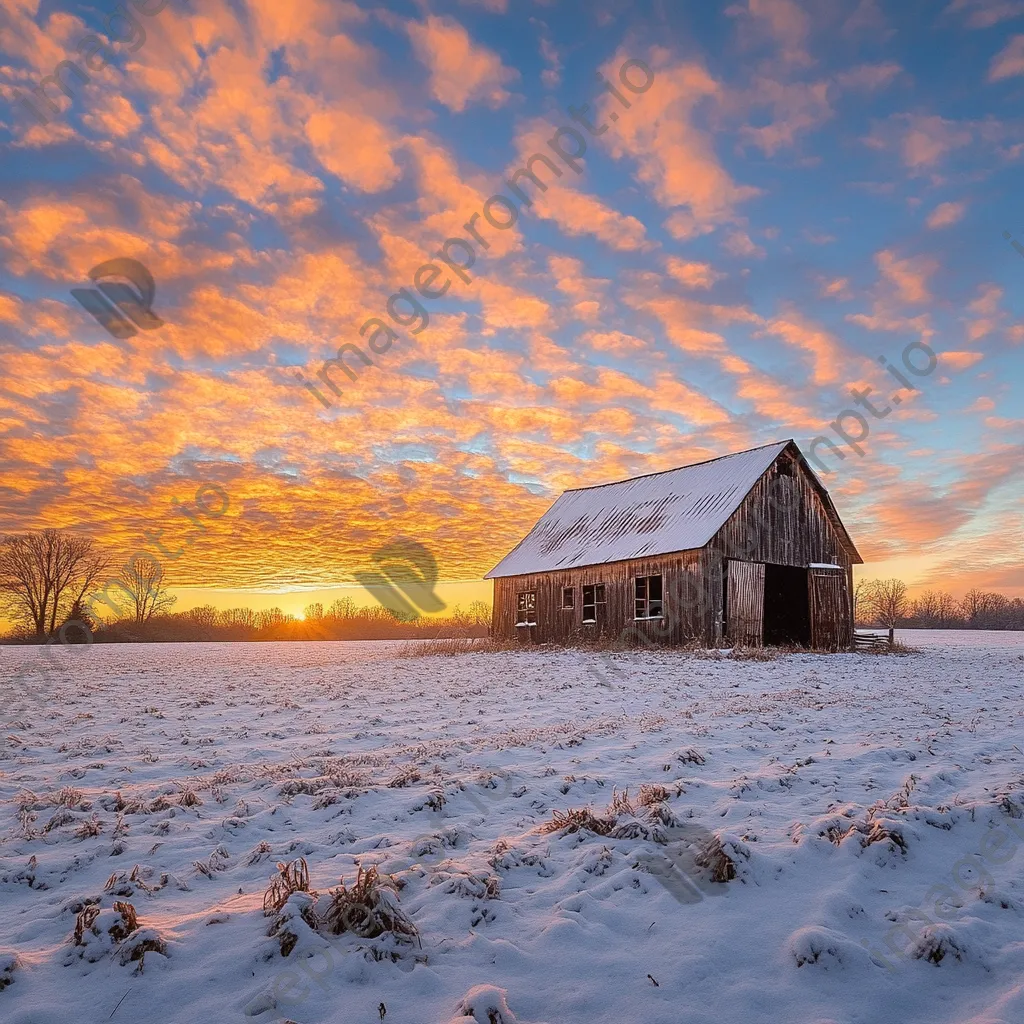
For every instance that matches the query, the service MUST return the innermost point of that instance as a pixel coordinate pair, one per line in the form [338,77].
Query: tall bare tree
[142,580]
[887,600]
[44,574]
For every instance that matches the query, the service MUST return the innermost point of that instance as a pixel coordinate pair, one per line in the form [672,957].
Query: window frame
[569,592]
[526,606]
[599,600]
[646,601]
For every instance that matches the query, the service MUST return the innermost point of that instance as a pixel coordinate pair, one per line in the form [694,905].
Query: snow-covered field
[870,807]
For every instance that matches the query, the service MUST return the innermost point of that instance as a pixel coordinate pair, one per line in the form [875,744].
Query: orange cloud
[461,71]
[946,214]
[692,274]
[557,198]
[672,157]
[908,277]
[837,288]
[960,360]
[826,350]
[783,21]
[1009,62]
[354,147]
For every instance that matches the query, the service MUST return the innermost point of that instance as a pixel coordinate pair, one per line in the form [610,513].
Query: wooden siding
[683,599]
[830,610]
[745,603]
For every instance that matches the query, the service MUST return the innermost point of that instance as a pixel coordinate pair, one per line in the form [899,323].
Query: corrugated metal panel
[678,510]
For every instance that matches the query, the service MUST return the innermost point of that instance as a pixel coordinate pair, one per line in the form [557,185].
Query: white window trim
[647,618]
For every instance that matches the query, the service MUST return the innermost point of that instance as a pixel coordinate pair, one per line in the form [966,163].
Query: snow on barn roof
[675,510]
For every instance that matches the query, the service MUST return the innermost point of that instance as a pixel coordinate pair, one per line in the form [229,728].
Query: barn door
[744,603]
[830,610]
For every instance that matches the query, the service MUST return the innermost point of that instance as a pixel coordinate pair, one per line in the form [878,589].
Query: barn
[747,549]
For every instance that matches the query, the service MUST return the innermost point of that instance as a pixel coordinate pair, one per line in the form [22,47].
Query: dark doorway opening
[787,607]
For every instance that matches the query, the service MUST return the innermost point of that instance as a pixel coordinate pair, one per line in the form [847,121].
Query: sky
[762,202]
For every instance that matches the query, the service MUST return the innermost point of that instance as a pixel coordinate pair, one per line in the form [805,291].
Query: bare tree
[239,619]
[860,593]
[343,608]
[480,611]
[926,608]
[947,609]
[888,602]
[142,580]
[45,574]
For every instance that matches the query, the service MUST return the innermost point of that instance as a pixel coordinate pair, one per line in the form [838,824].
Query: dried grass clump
[84,921]
[9,963]
[336,783]
[297,914]
[293,877]
[135,948]
[62,817]
[88,829]
[101,933]
[836,833]
[650,795]
[119,931]
[188,798]
[690,756]
[468,884]
[624,819]
[259,851]
[712,856]
[449,647]
[881,650]
[621,804]
[1008,806]
[936,943]
[744,653]
[578,819]
[368,909]
[406,776]
[706,654]
[121,883]
[876,832]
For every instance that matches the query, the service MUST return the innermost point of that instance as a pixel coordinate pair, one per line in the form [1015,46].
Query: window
[526,608]
[647,597]
[592,597]
[568,597]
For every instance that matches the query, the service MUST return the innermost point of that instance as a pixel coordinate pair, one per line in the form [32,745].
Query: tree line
[887,603]
[342,620]
[55,584]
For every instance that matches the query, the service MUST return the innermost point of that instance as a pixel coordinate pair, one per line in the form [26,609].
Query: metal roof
[676,510]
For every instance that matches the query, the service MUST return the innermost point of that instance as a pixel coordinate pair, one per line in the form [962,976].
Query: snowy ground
[206,764]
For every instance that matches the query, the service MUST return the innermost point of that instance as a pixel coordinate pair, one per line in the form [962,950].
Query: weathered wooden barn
[747,548]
